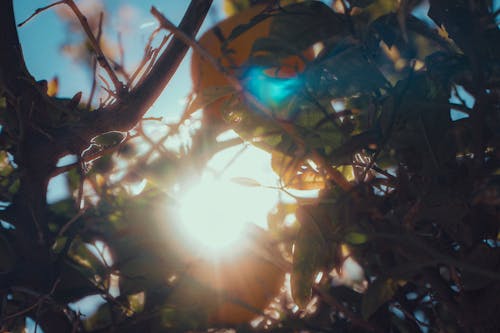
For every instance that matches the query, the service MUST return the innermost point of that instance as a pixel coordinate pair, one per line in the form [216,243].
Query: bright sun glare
[215,211]
[211,213]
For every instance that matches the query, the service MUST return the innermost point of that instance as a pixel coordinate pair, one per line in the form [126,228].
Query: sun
[211,214]
[214,212]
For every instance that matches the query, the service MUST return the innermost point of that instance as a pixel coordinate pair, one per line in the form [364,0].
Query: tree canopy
[389,115]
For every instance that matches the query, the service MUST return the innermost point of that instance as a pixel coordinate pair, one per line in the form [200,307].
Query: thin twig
[41,298]
[94,68]
[428,142]
[152,62]
[166,24]
[376,169]
[21,312]
[39,10]
[94,85]
[148,51]
[99,28]
[71,221]
[101,58]
[233,159]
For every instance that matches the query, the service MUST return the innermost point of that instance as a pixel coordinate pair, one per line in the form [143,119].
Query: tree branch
[12,64]
[129,109]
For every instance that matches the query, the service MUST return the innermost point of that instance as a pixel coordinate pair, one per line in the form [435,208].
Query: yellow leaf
[53,86]
[296,174]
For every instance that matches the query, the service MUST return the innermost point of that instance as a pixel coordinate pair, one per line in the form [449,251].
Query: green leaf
[136,302]
[144,271]
[302,24]
[79,252]
[59,244]
[370,12]
[356,238]
[378,293]
[74,284]
[344,72]
[308,256]
[109,139]
[103,165]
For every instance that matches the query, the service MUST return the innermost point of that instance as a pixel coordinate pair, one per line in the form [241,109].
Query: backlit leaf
[308,257]
[356,238]
[296,174]
[244,181]
[53,86]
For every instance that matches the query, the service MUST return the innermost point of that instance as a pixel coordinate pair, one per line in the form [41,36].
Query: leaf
[80,253]
[136,302]
[53,86]
[344,72]
[356,238]
[308,257]
[245,27]
[295,174]
[244,181]
[109,139]
[378,293]
[302,24]
[74,284]
[375,10]
[102,165]
[144,271]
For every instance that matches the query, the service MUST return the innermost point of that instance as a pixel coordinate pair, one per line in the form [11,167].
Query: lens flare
[271,91]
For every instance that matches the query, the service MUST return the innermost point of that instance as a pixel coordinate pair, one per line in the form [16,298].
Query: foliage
[393,118]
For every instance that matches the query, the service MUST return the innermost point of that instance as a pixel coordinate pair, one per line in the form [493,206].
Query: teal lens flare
[268,90]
